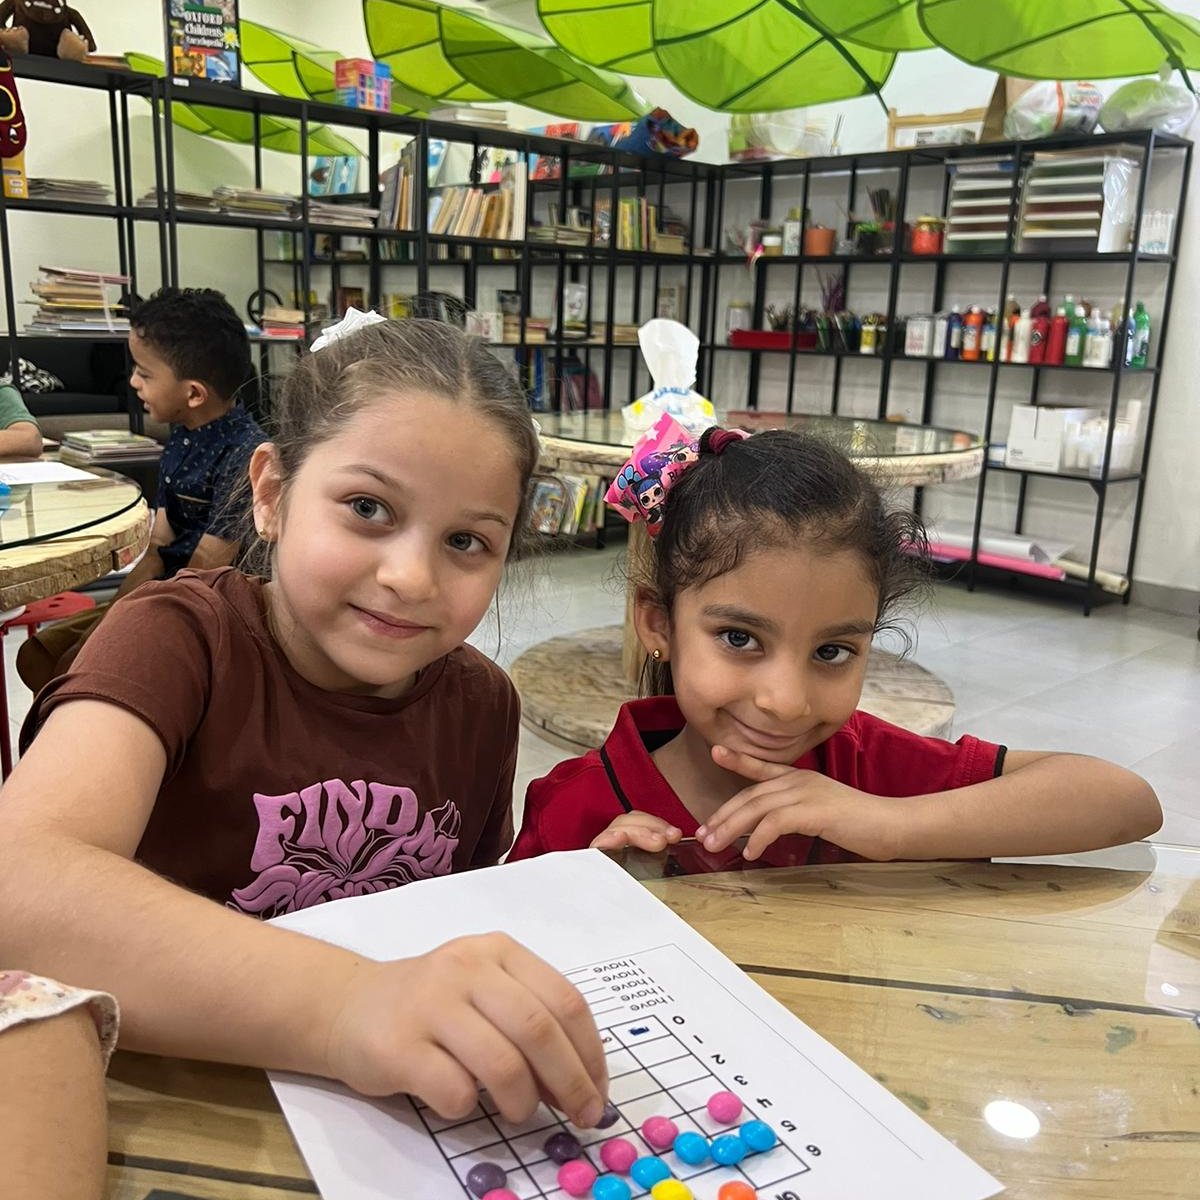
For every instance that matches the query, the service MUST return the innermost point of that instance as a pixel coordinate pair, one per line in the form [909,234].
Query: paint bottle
[1022,338]
[987,342]
[1056,341]
[954,334]
[972,328]
[1077,331]
[1040,316]
[1012,310]
[1141,325]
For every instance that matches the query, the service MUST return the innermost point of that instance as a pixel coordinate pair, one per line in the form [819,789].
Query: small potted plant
[867,236]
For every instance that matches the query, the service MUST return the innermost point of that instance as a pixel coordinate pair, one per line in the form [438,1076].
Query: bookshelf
[619,281]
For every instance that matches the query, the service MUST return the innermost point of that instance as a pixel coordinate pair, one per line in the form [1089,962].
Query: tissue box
[1036,435]
[363,83]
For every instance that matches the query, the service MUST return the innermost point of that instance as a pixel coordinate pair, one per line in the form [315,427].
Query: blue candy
[648,1171]
[758,1136]
[692,1148]
[612,1187]
[728,1150]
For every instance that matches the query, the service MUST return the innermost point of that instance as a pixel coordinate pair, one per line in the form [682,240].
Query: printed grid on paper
[652,1072]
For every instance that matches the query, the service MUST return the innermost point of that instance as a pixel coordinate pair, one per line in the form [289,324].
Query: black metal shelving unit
[702,194]
[902,166]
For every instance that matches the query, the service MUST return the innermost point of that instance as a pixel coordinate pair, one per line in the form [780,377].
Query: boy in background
[191,357]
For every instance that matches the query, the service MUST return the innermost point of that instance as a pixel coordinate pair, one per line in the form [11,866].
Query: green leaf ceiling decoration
[880,24]
[407,35]
[615,34]
[291,66]
[760,55]
[1066,39]
[234,125]
[526,69]
[460,56]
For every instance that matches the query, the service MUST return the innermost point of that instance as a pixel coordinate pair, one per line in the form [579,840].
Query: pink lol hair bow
[659,458]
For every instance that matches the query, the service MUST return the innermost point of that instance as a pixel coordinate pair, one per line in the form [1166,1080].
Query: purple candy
[610,1116]
[562,1147]
[486,1177]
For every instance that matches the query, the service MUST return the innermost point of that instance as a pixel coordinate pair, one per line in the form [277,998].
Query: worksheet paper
[679,1022]
[41,471]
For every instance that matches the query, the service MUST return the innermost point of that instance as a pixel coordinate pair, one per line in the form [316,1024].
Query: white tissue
[670,350]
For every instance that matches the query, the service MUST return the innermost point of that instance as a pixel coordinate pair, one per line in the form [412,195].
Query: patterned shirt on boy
[278,794]
[200,474]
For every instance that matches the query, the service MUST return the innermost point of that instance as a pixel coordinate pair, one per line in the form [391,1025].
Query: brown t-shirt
[277,794]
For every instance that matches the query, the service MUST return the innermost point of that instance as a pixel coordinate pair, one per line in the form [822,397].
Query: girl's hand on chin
[477,1011]
[783,800]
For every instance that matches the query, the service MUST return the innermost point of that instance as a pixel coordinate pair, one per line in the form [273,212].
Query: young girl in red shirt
[775,565]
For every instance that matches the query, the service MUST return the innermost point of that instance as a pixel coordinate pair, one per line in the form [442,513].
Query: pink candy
[618,1155]
[576,1177]
[724,1107]
[660,1132]
[501,1194]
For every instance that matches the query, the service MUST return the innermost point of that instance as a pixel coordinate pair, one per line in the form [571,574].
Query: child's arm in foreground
[52,1108]
[1043,803]
[198,980]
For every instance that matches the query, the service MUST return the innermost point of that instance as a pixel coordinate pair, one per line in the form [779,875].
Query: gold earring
[656,655]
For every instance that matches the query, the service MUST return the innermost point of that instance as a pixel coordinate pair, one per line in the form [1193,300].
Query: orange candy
[736,1190]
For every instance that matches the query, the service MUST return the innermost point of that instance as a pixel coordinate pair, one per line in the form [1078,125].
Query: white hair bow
[353,321]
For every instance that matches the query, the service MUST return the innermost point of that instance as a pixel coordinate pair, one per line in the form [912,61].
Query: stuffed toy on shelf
[46,27]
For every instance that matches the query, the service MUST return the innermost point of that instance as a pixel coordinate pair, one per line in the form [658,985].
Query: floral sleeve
[25,997]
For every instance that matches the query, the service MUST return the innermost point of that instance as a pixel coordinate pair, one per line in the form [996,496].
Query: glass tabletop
[39,512]
[857,437]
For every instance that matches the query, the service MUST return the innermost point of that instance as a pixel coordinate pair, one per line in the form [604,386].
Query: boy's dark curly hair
[197,331]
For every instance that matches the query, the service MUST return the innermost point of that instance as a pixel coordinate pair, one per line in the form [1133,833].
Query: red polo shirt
[581,797]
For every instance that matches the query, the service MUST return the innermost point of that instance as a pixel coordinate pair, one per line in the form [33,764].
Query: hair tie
[716,440]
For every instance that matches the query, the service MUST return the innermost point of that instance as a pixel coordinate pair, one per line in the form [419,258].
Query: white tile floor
[1123,683]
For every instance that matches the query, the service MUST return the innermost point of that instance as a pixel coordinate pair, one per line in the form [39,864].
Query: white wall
[69,137]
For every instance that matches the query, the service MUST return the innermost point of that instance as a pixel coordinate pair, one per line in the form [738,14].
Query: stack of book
[352,216]
[537,329]
[98,446]
[623,335]
[184,201]
[286,324]
[254,202]
[72,191]
[561,235]
[72,301]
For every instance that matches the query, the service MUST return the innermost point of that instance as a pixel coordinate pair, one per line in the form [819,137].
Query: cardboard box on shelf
[1036,435]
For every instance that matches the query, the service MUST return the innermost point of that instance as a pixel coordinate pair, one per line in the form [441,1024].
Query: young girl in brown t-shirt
[229,743]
